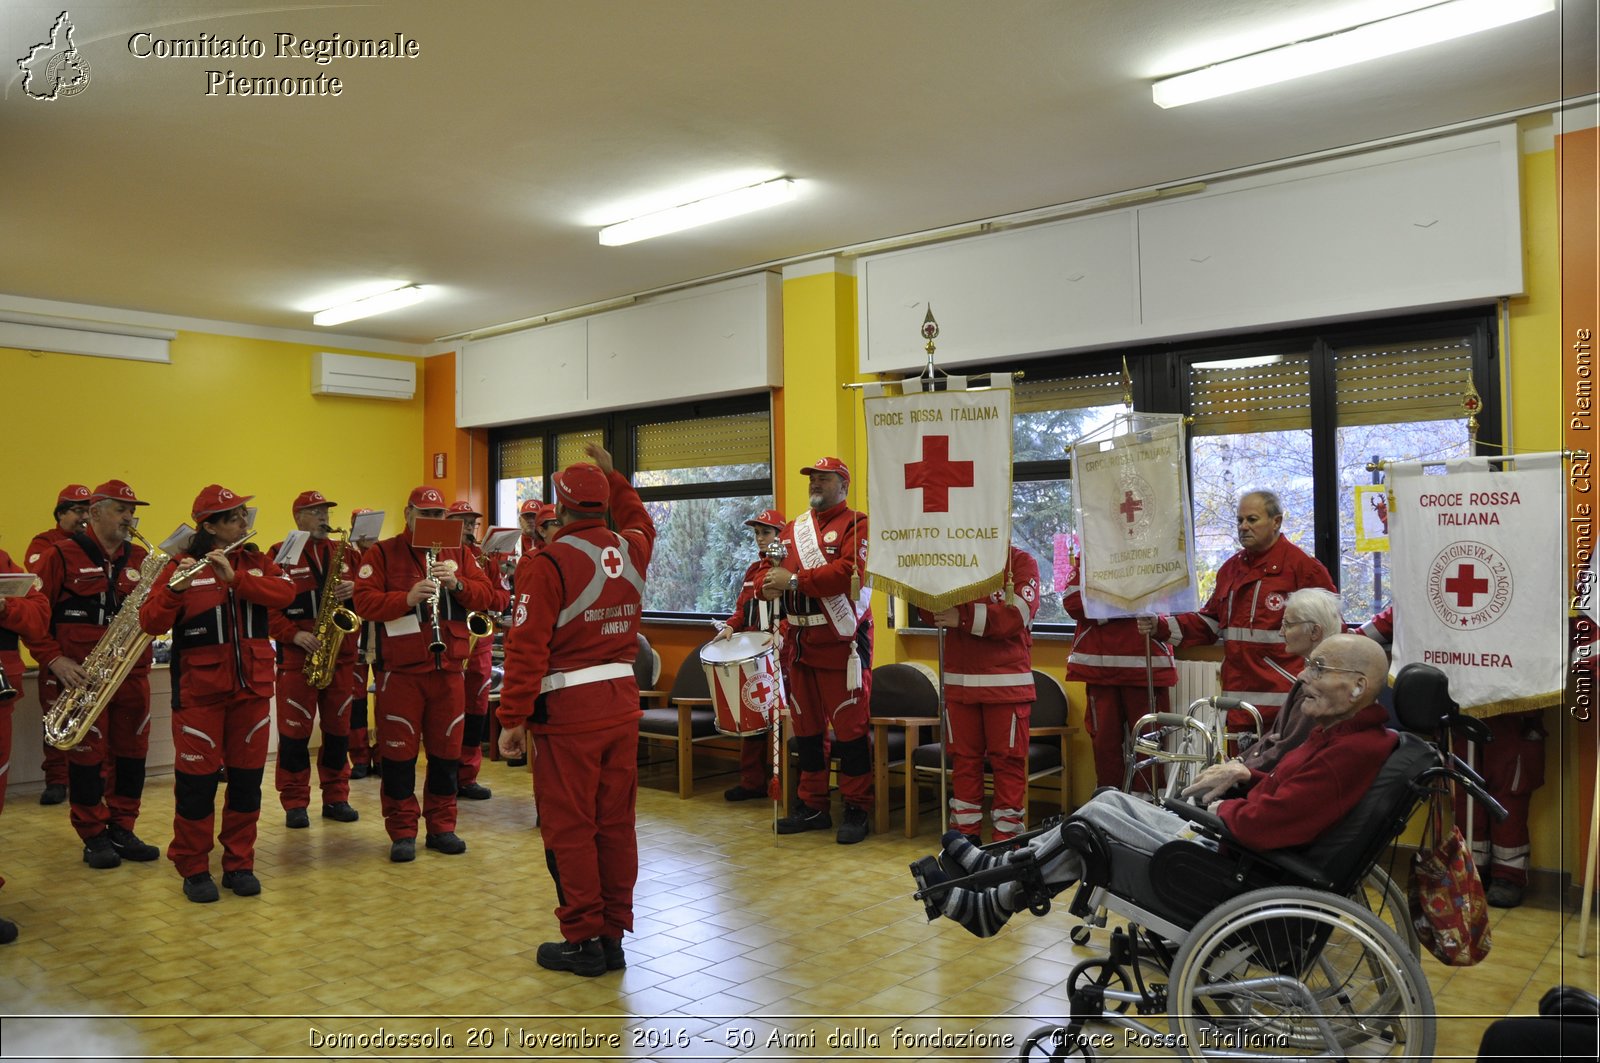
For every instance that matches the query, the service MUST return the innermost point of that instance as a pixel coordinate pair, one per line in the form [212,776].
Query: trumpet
[479,626]
[183,577]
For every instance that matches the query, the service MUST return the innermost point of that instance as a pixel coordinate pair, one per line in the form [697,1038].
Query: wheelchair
[1253,955]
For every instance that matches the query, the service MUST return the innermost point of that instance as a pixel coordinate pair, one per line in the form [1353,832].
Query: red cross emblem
[936,474]
[762,692]
[611,561]
[1466,585]
[1130,506]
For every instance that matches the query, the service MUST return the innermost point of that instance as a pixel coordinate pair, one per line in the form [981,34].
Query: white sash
[841,613]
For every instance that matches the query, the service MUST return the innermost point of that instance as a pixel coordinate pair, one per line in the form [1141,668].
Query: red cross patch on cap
[307,499]
[767,518]
[117,491]
[215,498]
[463,509]
[73,493]
[530,506]
[829,465]
[426,498]
[583,487]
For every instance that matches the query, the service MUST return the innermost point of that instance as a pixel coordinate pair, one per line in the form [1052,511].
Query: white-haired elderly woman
[1309,616]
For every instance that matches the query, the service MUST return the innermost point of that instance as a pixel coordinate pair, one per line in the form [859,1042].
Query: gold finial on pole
[1472,405]
[1127,384]
[930,332]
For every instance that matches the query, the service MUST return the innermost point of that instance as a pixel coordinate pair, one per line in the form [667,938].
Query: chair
[647,670]
[685,719]
[1048,732]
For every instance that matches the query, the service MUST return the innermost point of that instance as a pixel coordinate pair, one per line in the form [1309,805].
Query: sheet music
[294,544]
[502,540]
[367,526]
[177,542]
[16,584]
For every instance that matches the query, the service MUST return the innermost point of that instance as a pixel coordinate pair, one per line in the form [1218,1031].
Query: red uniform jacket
[219,630]
[308,575]
[1380,629]
[27,616]
[747,609]
[483,652]
[40,544]
[1245,613]
[388,571]
[842,535]
[988,655]
[1314,786]
[577,608]
[1111,652]
[85,589]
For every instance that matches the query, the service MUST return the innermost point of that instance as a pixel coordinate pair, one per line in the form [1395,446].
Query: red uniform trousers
[1512,766]
[55,764]
[362,749]
[230,732]
[419,708]
[998,732]
[475,728]
[588,784]
[1110,715]
[818,698]
[300,705]
[112,754]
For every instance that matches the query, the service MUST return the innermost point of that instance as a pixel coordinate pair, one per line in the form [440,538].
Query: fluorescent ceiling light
[1415,29]
[700,212]
[373,304]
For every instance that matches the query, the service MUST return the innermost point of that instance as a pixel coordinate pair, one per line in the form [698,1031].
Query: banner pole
[944,738]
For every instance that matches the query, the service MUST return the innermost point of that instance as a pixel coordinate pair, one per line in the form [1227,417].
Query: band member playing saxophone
[214,596]
[300,701]
[86,576]
[480,661]
[71,516]
[26,615]
[417,605]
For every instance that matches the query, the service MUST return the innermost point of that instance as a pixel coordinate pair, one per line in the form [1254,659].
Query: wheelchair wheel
[1293,971]
[1385,898]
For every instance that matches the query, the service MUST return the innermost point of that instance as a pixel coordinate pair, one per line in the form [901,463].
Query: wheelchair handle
[1496,810]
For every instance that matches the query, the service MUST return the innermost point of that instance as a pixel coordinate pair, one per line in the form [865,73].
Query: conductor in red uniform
[569,682]
[300,705]
[831,675]
[26,615]
[86,577]
[71,517]
[988,680]
[420,699]
[223,671]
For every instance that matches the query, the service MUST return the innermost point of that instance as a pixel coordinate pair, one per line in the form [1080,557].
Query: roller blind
[735,439]
[570,445]
[521,458]
[1244,395]
[1067,393]
[1395,383]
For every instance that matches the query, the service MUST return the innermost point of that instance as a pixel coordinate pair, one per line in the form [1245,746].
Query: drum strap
[595,673]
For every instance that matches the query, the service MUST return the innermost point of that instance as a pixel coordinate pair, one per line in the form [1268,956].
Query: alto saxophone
[333,623]
[108,664]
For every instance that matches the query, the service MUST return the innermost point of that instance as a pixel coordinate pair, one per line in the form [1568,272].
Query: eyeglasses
[1287,624]
[1317,668]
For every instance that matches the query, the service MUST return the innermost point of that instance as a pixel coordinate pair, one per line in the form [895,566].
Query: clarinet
[436,647]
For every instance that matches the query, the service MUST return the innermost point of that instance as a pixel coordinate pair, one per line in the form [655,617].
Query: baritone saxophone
[333,623]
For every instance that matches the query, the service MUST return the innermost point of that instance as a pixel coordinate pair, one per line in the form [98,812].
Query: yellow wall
[238,412]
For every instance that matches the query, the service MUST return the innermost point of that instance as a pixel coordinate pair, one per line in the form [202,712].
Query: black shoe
[584,958]
[516,762]
[929,874]
[296,818]
[242,883]
[129,847]
[854,827]
[611,949]
[53,794]
[805,818]
[98,852]
[742,793]
[201,888]
[446,843]
[8,932]
[339,810]
[1503,893]
[358,771]
[403,850]
[474,791]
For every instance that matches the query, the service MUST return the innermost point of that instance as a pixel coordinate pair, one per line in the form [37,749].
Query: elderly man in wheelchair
[1240,919]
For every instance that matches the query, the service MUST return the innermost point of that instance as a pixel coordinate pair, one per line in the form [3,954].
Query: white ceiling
[486,165]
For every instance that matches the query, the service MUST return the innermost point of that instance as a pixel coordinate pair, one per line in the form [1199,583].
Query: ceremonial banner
[1131,495]
[1479,578]
[939,490]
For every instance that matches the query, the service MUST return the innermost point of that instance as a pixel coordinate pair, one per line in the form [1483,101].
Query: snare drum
[746,688]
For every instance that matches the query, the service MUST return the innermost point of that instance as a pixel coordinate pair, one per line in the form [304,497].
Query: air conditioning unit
[373,378]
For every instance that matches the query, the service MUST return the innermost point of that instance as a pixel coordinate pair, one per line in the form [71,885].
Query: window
[701,470]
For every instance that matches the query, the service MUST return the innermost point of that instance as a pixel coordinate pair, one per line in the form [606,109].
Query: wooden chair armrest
[693,701]
[1045,732]
[903,721]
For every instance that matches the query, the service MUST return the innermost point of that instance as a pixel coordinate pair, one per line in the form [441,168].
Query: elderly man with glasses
[1314,787]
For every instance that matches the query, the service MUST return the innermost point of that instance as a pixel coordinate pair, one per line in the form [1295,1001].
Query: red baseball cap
[116,491]
[463,509]
[532,505]
[545,514]
[307,499]
[583,487]
[829,465]
[767,518]
[426,498]
[214,498]
[73,493]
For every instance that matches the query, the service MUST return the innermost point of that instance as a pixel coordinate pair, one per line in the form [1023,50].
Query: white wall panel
[1071,283]
[523,376]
